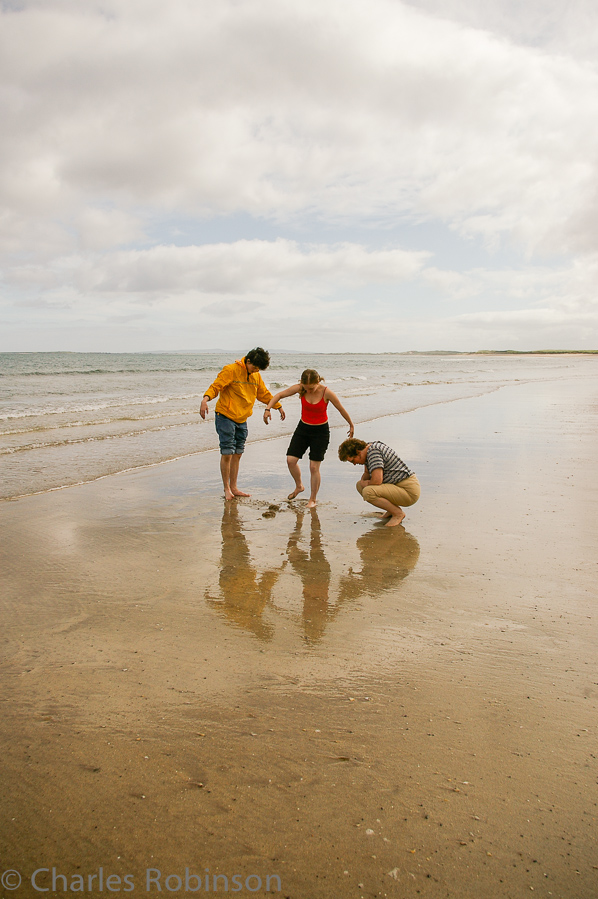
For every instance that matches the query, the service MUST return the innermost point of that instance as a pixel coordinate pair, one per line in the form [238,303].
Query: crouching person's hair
[350,448]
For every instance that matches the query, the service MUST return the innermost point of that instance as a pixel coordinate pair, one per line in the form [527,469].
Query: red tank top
[314,413]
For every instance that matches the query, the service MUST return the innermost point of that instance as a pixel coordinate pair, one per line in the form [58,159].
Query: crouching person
[386,482]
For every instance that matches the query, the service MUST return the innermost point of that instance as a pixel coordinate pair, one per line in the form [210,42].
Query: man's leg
[372,495]
[395,512]
[231,447]
[360,485]
[235,461]
[240,436]
[225,468]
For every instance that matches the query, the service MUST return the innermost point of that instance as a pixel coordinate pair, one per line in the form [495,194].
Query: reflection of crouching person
[386,481]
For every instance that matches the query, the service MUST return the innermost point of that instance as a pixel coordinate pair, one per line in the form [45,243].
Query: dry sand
[264,691]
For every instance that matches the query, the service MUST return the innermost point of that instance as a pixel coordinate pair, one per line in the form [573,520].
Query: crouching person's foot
[395,520]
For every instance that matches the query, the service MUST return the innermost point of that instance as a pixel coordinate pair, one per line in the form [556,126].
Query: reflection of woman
[314,570]
[387,557]
[244,596]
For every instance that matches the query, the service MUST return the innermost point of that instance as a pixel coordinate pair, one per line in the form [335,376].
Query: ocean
[69,418]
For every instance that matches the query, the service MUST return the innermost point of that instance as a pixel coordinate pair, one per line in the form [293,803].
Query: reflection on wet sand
[243,595]
[387,557]
[313,568]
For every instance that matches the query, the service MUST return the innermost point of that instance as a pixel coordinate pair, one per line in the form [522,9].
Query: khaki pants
[405,493]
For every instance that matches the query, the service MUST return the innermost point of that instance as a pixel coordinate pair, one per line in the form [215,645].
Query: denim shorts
[232,435]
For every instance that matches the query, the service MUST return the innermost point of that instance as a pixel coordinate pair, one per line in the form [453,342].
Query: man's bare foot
[311,504]
[296,492]
[228,494]
[395,520]
[237,492]
[384,514]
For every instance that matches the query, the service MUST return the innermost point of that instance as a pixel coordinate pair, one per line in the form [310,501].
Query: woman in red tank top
[313,430]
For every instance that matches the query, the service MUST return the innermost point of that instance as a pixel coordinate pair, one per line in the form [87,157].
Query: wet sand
[265,691]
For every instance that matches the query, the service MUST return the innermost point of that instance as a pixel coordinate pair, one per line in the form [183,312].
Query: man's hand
[267,417]
[203,409]
[282,415]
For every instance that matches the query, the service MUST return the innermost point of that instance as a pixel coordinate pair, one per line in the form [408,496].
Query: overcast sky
[325,175]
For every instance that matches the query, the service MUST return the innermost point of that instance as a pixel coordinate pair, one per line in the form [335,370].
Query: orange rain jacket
[238,391]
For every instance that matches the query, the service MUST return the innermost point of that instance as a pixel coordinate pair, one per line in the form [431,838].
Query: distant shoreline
[238,353]
[499,353]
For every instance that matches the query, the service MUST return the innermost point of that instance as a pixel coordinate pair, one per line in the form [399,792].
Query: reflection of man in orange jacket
[244,594]
[238,386]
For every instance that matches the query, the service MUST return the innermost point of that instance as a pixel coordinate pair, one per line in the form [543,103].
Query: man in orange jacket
[238,386]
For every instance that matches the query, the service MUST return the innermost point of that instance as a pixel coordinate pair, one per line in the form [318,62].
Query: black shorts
[314,437]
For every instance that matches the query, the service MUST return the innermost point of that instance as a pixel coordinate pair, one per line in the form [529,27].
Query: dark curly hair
[258,356]
[350,448]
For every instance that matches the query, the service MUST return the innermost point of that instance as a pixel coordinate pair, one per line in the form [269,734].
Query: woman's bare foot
[296,492]
[395,520]
[237,492]
[384,514]
[311,504]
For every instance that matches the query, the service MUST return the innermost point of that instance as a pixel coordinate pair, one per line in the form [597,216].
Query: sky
[324,175]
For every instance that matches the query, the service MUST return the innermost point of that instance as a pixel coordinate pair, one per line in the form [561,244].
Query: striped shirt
[379,455]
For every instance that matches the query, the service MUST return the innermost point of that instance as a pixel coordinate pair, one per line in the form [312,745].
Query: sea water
[68,418]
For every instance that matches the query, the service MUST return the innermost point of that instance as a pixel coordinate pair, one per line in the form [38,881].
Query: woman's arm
[332,397]
[289,391]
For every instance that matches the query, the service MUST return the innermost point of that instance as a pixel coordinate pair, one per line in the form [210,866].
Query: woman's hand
[267,416]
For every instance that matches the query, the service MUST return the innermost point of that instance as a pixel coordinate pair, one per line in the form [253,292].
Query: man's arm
[376,470]
[373,478]
[222,380]
[203,409]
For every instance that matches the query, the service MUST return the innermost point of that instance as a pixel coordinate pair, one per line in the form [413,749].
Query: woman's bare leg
[314,470]
[293,463]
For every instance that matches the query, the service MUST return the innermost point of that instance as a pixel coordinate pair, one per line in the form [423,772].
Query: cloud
[245,266]
[557,26]
[123,119]
[279,108]
[231,308]
[100,229]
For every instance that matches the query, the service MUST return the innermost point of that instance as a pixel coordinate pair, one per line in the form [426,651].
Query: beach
[310,702]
